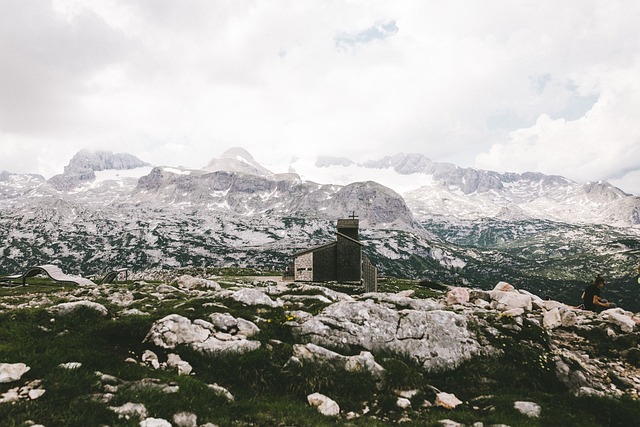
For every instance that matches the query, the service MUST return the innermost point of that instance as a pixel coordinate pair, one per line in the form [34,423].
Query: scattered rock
[447,400]
[221,391]
[325,405]
[530,409]
[185,419]
[457,296]
[155,422]
[12,371]
[129,409]
[70,307]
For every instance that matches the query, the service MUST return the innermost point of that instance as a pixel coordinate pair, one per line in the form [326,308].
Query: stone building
[340,261]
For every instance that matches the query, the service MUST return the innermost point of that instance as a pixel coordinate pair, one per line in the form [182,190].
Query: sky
[510,86]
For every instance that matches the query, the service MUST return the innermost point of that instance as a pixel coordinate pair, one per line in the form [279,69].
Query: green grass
[267,390]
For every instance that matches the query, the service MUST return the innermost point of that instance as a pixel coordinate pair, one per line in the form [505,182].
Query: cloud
[285,78]
[604,143]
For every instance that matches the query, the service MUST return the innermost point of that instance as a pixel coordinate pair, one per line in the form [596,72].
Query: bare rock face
[201,335]
[12,371]
[436,339]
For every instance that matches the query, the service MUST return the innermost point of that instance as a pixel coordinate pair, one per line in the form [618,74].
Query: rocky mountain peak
[101,160]
[237,159]
[85,163]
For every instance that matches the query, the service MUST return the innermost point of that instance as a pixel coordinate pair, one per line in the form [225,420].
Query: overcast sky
[506,85]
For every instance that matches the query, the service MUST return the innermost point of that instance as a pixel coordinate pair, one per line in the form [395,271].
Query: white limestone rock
[129,410]
[364,362]
[201,335]
[254,296]
[447,400]
[436,339]
[325,405]
[185,419]
[621,318]
[552,319]
[530,409]
[155,422]
[175,361]
[12,371]
[70,307]
[70,365]
[457,296]
[221,391]
[189,282]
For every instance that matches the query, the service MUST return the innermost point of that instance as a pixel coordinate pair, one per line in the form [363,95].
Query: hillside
[208,347]
[543,233]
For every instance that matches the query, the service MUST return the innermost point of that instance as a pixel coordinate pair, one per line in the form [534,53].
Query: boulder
[201,335]
[12,371]
[325,405]
[457,296]
[364,362]
[185,419]
[530,409]
[447,400]
[70,307]
[436,339]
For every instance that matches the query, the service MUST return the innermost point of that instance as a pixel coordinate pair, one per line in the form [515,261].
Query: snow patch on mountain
[239,160]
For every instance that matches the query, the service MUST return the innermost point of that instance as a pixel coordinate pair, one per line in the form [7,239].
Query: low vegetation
[267,390]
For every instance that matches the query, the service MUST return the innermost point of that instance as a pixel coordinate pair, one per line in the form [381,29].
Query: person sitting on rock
[591,296]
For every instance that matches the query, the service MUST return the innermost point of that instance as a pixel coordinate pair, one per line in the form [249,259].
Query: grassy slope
[266,393]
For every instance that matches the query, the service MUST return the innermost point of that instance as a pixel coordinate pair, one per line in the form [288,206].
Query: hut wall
[324,264]
[369,276]
[303,267]
[349,261]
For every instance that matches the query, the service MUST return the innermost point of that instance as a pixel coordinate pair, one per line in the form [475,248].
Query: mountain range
[444,223]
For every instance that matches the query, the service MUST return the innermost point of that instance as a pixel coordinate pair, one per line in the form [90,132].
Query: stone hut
[340,261]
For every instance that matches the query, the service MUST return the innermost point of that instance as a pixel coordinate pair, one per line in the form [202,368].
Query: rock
[129,410]
[254,297]
[364,362]
[449,423]
[189,282]
[504,287]
[174,329]
[227,323]
[150,358]
[12,371]
[185,419]
[457,296]
[325,405]
[552,319]
[70,307]
[183,367]
[530,409]
[155,422]
[447,400]
[200,335]
[569,318]
[507,300]
[221,391]
[621,318]
[403,403]
[70,365]
[35,393]
[436,339]
[122,299]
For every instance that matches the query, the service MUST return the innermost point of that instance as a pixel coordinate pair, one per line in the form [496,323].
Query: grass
[268,391]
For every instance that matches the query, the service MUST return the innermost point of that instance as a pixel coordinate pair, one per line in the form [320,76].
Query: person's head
[599,281]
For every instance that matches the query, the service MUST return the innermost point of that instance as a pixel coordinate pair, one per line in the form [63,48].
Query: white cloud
[363,79]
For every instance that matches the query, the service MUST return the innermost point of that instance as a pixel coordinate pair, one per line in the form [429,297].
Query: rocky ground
[405,355]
